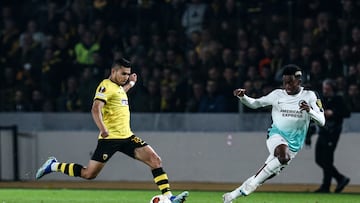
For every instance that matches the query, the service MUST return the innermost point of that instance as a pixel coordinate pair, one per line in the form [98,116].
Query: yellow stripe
[160,177]
[62,169]
[164,186]
[71,169]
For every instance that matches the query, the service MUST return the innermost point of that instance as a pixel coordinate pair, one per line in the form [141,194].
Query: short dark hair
[122,62]
[292,69]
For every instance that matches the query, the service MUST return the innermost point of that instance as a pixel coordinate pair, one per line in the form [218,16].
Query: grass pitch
[144,196]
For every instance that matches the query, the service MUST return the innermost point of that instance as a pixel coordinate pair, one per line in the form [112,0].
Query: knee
[282,154]
[284,159]
[155,161]
[321,162]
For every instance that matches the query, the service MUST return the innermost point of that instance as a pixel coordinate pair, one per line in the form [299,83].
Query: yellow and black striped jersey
[116,113]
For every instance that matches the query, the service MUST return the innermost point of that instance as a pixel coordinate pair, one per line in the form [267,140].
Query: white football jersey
[288,120]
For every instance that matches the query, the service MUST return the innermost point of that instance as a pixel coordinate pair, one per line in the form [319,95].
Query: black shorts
[107,147]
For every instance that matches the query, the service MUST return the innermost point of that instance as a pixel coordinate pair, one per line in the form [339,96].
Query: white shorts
[272,142]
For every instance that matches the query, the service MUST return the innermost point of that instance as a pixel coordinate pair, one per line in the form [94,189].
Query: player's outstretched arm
[252,102]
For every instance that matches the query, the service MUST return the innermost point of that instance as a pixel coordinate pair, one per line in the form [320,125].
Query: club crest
[102,89]
[319,104]
[301,101]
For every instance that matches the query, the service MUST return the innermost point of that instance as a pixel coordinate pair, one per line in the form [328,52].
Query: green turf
[137,196]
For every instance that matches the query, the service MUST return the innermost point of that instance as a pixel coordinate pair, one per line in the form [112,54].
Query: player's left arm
[131,83]
[254,103]
[315,109]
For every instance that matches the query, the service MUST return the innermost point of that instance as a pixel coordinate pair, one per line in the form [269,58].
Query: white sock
[239,191]
[250,185]
[272,167]
[235,193]
[54,166]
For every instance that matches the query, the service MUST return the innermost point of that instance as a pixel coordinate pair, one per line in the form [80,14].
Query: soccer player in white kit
[292,109]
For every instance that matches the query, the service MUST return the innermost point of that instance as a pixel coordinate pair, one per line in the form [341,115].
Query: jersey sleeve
[316,111]
[263,101]
[102,92]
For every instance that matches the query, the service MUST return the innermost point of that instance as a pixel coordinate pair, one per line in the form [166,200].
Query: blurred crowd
[189,54]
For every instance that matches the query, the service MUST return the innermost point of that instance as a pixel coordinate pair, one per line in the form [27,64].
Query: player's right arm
[96,112]
[252,102]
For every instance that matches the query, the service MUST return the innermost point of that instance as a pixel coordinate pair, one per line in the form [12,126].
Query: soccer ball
[160,199]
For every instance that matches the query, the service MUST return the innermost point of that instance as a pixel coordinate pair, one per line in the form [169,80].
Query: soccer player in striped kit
[110,112]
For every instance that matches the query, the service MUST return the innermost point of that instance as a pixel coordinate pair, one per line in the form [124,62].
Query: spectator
[69,100]
[325,35]
[316,76]
[341,85]
[153,97]
[253,56]
[99,29]
[228,58]
[306,58]
[87,85]
[135,46]
[65,56]
[197,93]
[354,73]
[167,99]
[48,19]
[332,66]
[29,55]
[193,66]
[7,89]
[20,104]
[294,56]
[85,48]
[51,74]
[352,98]
[241,65]
[355,43]
[9,42]
[344,56]
[229,85]
[348,19]
[230,16]
[33,29]
[284,40]
[278,58]
[213,101]
[308,27]
[37,101]
[335,110]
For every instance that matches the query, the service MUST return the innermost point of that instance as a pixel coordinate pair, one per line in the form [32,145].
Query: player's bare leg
[92,169]
[71,169]
[148,155]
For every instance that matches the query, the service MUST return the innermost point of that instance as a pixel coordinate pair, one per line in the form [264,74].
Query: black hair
[122,62]
[292,69]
